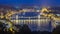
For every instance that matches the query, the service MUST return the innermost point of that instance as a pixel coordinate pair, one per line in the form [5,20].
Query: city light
[41,19]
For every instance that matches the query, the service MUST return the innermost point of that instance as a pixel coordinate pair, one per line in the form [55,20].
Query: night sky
[30,2]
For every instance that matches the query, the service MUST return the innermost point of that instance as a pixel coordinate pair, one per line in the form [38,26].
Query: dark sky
[30,2]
